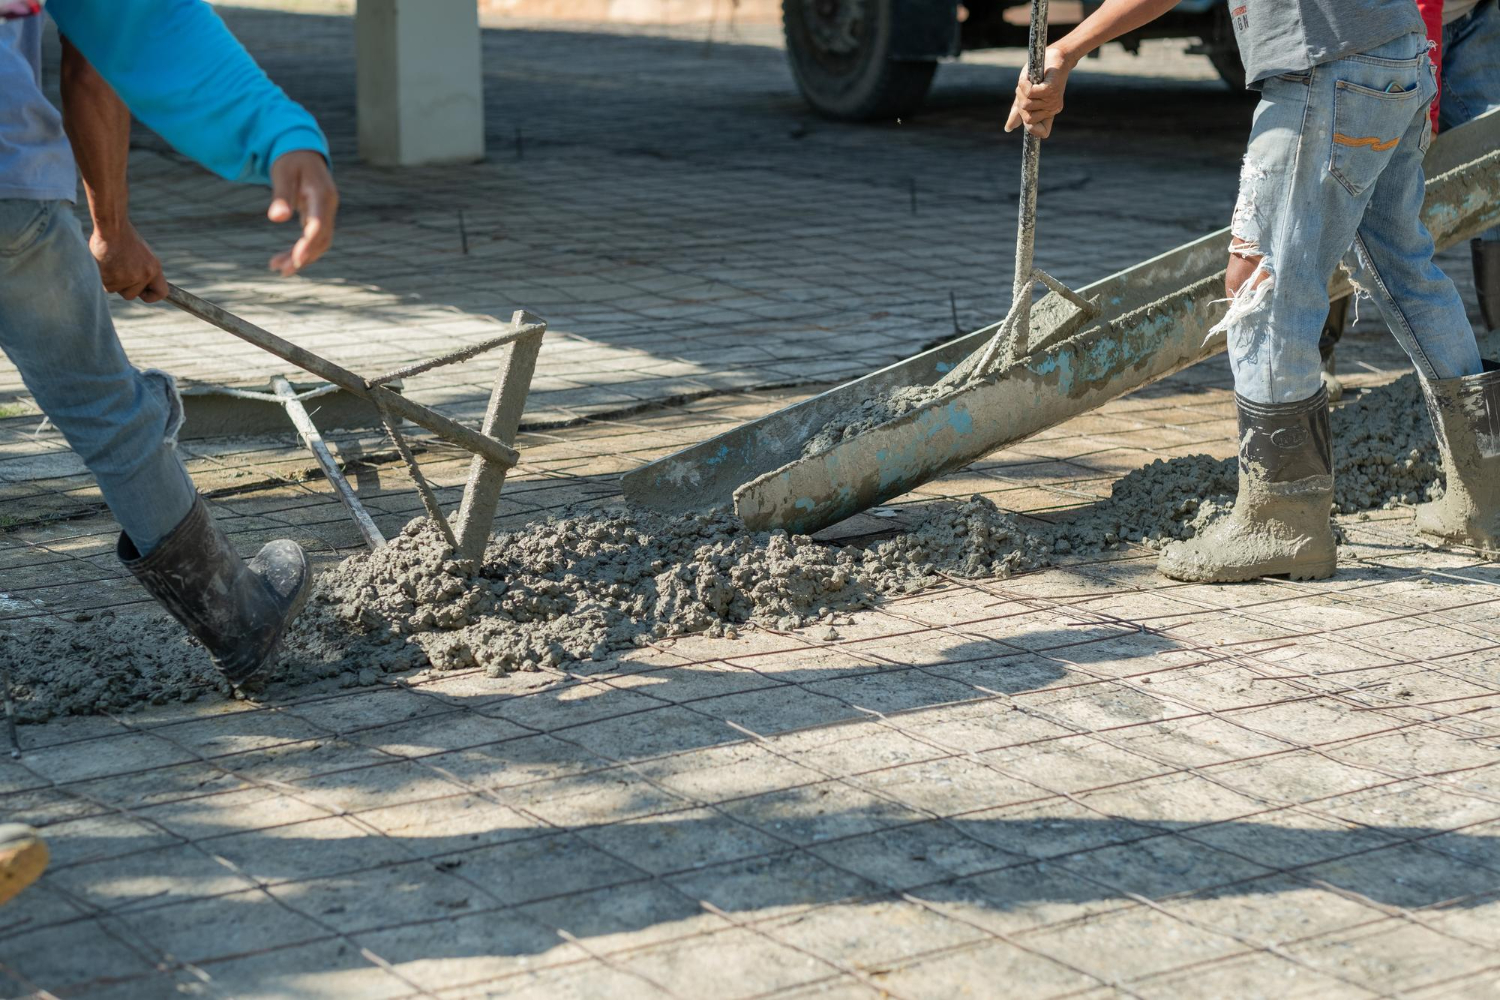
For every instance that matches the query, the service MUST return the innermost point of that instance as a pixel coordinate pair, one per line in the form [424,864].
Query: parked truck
[868,60]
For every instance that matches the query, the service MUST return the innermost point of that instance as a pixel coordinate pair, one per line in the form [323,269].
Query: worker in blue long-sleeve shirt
[180,70]
[175,64]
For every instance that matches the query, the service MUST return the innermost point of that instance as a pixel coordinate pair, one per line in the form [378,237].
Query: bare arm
[98,125]
[1037,104]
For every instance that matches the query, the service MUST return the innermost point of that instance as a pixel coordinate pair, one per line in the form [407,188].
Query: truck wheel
[840,55]
[1223,51]
[1231,70]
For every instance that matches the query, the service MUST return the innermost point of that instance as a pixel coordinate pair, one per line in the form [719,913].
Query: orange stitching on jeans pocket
[1369,140]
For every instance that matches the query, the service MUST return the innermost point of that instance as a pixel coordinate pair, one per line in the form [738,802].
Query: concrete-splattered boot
[23,855]
[1486,255]
[238,610]
[1466,417]
[1279,525]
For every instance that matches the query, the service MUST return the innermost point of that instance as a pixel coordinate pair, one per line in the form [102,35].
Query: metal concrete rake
[492,444]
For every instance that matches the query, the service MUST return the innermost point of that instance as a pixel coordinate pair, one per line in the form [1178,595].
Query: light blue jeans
[55,328]
[1471,72]
[1333,173]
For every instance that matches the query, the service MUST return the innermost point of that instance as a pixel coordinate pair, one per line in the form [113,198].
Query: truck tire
[1230,69]
[840,51]
[1223,51]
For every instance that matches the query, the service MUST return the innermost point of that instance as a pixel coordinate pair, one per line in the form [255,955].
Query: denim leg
[1349,166]
[1394,252]
[1292,216]
[56,329]
[1471,72]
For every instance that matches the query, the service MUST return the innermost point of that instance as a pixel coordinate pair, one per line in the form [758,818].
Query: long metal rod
[393,403]
[1013,338]
[1031,156]
[429,498]
[516,333]
[313,438]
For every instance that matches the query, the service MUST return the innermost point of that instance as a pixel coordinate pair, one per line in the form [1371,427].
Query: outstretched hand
[1037,104]
[301,184]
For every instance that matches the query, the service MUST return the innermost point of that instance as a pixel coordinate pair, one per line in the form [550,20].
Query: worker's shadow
[477,880]
[635,800]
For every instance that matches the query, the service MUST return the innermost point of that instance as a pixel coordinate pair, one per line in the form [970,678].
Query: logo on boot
[1287,438]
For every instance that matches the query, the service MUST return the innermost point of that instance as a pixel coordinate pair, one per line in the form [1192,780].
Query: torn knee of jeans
[1245,249]
[166,387]
[1246,216]
[1246,302]
[1248,251]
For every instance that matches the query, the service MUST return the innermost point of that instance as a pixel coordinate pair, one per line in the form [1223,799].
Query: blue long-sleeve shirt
[183,74]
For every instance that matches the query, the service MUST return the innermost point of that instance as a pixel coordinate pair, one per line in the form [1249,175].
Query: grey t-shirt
[1290,36]
[36,161]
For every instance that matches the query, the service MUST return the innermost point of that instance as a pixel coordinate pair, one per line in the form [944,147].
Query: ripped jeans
[1333,173]
[56,329]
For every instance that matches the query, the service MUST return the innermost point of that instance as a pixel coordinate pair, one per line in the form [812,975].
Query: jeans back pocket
[22,222]
[1368,125]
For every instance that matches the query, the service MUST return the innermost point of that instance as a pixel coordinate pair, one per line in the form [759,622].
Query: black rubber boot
[238,610]
[1328,341]
[1279,525]
[1466,417]
[1487,280]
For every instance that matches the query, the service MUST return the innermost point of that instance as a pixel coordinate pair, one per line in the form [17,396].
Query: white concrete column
[420,95]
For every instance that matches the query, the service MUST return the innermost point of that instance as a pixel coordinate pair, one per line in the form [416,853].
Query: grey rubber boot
[1279,525]
[1486,257]
[238,610]
[1466,417]
[23,856]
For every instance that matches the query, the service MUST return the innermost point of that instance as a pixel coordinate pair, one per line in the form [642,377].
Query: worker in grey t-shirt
[1332,173]
[1293,36]
[1470,81]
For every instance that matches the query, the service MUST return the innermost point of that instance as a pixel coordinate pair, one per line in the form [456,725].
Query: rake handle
[1031,155]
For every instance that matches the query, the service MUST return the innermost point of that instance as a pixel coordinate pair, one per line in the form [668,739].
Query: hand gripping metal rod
[397,405]
[1016,332]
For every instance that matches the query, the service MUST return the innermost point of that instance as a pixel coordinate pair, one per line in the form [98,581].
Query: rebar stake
[502,419]
[429,499]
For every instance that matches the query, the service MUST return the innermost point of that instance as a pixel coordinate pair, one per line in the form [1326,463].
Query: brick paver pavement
[1078,782]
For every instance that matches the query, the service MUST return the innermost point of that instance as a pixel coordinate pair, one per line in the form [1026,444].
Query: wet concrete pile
[873,412]
[593,585]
